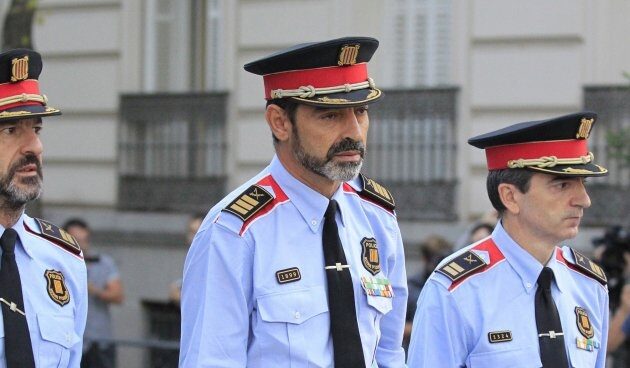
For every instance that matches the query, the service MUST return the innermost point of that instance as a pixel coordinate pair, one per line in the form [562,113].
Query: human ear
[510,197]
[278,122]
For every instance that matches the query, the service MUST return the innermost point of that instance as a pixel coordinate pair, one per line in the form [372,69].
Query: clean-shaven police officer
[43,281]
[303,265]
[516,298]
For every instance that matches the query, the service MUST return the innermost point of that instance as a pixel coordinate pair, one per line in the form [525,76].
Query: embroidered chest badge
[369,255]
[56,287]
[585,327]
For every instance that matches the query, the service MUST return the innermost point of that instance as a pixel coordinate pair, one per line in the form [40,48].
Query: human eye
[8,130]
[38,129]
[331,115]
[361,110]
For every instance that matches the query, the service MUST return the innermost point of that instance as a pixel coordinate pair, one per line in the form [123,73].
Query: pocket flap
[381,304]
[293,307]
[58,329]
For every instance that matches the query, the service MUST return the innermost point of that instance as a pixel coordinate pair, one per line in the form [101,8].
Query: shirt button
[297,315]
[314,222]
[528,285]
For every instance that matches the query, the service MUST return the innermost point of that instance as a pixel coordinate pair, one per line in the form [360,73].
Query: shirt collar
[22,234]
[524,264]
[310,204]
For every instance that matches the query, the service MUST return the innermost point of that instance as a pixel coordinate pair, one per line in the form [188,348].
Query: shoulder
[579,263]
[476,259]
[372,192]
[244,207]
[53,234]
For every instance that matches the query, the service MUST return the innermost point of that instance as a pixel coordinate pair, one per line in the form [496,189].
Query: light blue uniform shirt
[235,313]
[453,319]
[55,329]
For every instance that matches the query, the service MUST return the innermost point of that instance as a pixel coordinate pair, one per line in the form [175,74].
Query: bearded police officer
[43,287]
[303,265]
[516,298]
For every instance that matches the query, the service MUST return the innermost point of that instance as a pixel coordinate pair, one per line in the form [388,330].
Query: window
[418,42]
[412,150]
[183,45]
[609,195]
[172,151]
[412,147]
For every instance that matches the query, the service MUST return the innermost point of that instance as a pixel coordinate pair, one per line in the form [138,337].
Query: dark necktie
[343,317]
[550,336]
[17,342]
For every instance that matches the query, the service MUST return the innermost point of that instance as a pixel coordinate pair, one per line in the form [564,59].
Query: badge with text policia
[369,255]
[56,287]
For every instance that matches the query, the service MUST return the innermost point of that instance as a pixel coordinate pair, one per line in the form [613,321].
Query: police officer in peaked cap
[302,265]
[43,284]
[519,298]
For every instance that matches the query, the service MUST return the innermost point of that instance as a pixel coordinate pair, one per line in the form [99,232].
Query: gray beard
[15,197]
[336,171]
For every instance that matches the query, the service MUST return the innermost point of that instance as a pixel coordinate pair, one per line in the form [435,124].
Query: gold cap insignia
[585,128]
[56,286]
[584,323]
[19,69]
[369,255]
[348,55]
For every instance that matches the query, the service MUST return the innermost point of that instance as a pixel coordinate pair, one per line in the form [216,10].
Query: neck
[320,184]
[10,213]
[540,248]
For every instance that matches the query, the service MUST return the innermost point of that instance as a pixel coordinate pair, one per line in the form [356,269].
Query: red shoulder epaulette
[56,235]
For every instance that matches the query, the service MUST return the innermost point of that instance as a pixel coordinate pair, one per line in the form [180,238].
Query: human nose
[32,144]
[354,127]
[582,198]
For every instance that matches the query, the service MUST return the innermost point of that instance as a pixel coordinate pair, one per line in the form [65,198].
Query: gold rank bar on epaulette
[461,266]
[377,192]
[249,202]
[59,236]
[589,267]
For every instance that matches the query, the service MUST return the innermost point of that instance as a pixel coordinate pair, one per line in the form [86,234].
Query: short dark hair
[76,222]
[517,177]
[287,105]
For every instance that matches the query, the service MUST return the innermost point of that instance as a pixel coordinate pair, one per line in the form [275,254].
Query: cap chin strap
[549,161]
[310,91]
[24,97]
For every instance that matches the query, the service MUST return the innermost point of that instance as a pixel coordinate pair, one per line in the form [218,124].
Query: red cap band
[318,78]
[29,86]
[499,156]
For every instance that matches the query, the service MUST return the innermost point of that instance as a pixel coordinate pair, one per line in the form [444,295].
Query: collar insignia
[56,287]
[461,266]
[252,200]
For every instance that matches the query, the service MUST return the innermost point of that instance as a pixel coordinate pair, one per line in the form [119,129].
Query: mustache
[26,160]
[347,144]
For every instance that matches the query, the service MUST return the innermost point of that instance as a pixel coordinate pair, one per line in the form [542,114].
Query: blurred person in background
[104,289]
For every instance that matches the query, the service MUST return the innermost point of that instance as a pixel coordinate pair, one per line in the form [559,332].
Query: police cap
[556,146]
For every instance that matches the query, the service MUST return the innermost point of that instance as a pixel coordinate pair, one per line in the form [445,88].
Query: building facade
[160,120]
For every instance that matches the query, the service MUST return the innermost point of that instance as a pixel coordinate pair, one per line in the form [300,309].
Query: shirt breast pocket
[57,337]
[527,357]
[582,358]
[295,322]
